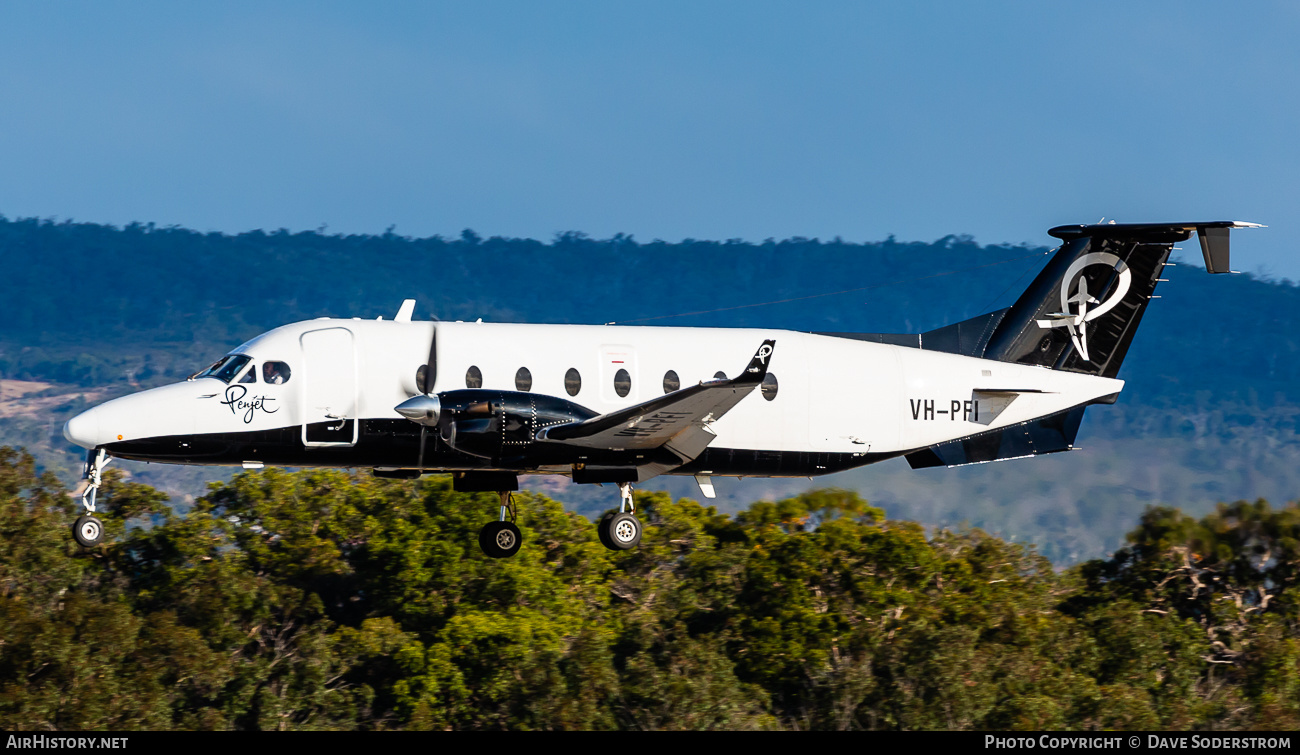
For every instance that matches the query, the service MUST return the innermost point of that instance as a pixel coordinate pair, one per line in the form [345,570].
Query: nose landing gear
[620,530]
[88,530]
[501,539]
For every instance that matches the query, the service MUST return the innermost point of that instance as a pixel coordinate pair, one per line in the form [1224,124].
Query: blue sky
[660,119]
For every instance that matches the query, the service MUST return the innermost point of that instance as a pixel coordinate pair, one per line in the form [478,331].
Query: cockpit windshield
[225,368]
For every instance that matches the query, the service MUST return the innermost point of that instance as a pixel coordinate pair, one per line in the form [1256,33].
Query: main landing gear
[620,530]
[88,530]
[501,539]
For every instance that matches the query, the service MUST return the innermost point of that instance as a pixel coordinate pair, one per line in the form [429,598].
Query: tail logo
[1075,299]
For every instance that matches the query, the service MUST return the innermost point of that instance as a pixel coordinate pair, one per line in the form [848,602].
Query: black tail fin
[1082,310]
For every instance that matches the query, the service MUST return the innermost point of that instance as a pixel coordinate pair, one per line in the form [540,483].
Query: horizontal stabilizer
[993,401]
[1213,235]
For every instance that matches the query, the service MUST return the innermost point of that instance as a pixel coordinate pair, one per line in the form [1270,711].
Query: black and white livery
[615,404]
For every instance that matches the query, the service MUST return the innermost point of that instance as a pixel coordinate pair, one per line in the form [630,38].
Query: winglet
[1214,245]
[757,368]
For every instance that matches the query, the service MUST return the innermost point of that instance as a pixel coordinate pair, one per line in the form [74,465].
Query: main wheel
[602,530]
[621,531]
[88,530]
[500,539]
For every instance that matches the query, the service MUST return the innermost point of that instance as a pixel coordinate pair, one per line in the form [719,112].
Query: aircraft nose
[83,429]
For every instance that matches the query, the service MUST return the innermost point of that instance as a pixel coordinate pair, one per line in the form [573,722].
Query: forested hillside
[85,301]
[327,601]
[1210,413]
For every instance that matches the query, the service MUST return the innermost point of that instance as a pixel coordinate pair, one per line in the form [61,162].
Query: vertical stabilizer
[1081,312]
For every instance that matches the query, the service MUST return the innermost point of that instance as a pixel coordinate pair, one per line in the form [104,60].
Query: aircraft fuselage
[830,403]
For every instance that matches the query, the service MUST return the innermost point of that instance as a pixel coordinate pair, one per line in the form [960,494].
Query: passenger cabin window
[523,380]
[671,382]
[622,383]
[275,373]
[473,378]
[225,368]
[572,382]
[422,378]
[769,387]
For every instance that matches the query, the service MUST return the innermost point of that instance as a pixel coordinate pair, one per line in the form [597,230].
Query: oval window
[422,377]
[572,382]
[275,373]
[523,379]
[473,378]
[671,382]
[719,375]
[622,383]
[769,387]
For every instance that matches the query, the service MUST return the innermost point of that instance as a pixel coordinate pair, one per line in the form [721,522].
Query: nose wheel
[620,530]
[501,539]
[88,530]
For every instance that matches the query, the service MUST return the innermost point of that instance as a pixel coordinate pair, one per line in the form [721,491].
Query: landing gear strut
[501,539]
[88,530]
[621,530]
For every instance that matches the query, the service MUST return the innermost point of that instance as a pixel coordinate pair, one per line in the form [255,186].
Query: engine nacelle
[498,424]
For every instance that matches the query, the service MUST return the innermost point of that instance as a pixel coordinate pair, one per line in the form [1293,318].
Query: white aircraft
[609,404]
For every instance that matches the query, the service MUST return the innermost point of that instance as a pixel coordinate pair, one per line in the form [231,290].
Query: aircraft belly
[394,444]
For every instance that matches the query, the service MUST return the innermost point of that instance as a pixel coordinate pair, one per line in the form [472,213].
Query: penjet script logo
[1077,303]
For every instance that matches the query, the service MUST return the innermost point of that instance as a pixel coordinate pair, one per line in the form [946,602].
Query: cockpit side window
[275,373]
[226,368]
[250,376]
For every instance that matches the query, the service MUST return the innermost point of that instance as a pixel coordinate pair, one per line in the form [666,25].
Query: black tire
[500,539]
[623,531]
[602,530]
[88,531]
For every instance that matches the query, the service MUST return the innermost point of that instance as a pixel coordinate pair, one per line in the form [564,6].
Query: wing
[678,421]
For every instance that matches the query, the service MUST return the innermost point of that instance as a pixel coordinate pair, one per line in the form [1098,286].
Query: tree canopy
[328,600]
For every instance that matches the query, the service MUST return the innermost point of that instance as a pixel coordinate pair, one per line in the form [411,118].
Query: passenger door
[329,393]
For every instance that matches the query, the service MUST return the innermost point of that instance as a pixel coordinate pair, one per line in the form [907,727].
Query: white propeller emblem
[1074,309]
